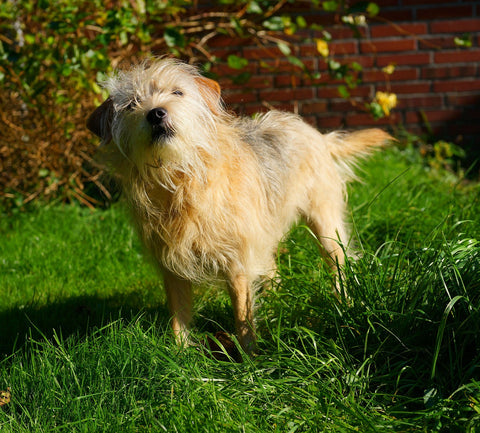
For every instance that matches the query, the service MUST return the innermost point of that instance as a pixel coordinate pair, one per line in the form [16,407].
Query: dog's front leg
[240,290]
[179,298]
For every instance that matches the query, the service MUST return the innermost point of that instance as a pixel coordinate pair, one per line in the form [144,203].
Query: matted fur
[214,194]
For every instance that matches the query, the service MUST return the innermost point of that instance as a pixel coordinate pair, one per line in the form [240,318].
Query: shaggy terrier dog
[213,194]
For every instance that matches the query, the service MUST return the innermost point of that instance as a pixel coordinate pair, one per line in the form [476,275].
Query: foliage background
[52,56]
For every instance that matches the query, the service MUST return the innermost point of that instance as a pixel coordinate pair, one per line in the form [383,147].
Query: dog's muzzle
[158,119]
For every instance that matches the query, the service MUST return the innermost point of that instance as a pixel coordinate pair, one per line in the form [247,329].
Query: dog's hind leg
[241,294]
[179,298]
[326,219]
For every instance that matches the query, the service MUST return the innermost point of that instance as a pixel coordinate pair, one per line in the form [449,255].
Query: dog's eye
[130,106]
[177,92]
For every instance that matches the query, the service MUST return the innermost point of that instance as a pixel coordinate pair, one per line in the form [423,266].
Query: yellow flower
[389,70]
[387,101]
[322,47]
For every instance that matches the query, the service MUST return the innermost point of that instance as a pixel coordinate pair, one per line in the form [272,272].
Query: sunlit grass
[86,347]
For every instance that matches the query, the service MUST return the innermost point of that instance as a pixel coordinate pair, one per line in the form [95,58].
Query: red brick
[324,78]
[331,121]
[296,7]
[397,14]
[387,45]
[222,53]
[363,60]
[328,92]
[344,105]
[389,3]
[224,70]
[336,48]
[339,48]
[406,101]
[448,71]
[332,92]
[227,41]
[286,95]
[314,107]
[287,81]
[255,82]
[342,32]
[242,97]
[251,109]
[458,56]
[444,12]
[323,19]
[426,2]
[413,88]
[404,59]
[282,65]
[440,42]
[456,26]
[433,116]
[438,67]
[463,100]
[361,91]
[282,106]
[380,31]
[457,86]
[311,120]
[366,119]
[308,50]
[377,75]
[260,53]
[415,117]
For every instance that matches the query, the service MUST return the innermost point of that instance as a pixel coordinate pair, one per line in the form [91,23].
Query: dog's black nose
[157,116]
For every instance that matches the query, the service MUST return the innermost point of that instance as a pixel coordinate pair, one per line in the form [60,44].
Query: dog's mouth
[161,133]
[159,120]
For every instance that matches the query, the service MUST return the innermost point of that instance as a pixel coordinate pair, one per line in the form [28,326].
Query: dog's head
[157,110]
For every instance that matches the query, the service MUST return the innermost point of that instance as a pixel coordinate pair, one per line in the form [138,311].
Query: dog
[213,194]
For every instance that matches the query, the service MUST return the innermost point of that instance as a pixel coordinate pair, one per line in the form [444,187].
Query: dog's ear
[100,121]
[211,92]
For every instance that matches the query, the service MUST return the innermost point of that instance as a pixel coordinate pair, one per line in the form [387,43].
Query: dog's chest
[191,230]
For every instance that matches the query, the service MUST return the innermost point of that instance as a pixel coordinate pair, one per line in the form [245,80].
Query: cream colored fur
[213,194]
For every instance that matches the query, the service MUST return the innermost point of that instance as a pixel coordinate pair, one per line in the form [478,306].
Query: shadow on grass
[81,315]
[75,316]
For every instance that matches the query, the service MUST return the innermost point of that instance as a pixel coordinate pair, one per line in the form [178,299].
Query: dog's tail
[348,148]
[354,145]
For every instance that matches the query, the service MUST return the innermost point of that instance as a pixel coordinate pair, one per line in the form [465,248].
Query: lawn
[85,344]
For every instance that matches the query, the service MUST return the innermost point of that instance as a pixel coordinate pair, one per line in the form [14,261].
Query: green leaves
[174,37]
[330,6]
[284,48]
[236,62]
[372,9]
[254,8]
[364,7]
[275,23]
[463,41]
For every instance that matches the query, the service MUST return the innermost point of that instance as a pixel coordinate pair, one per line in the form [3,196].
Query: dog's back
[295,158]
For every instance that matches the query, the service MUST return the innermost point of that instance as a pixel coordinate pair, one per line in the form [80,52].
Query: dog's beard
[162,133]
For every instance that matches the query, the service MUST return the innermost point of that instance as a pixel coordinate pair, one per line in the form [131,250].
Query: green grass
[85,345]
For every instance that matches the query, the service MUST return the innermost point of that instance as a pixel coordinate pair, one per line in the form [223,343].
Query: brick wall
[434,79]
